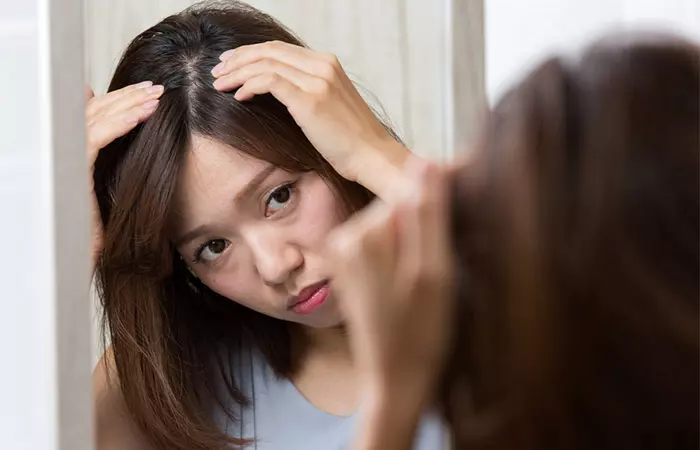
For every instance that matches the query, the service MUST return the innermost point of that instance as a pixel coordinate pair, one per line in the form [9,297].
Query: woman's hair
[577,230]
[173,338]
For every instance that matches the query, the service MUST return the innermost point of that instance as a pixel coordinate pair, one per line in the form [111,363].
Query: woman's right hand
[107,118]
[393,274]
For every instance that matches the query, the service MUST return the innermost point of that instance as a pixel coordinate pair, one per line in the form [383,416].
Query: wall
[519,34]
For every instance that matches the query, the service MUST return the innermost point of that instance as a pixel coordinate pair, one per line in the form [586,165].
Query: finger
[376,230]
[98,103]
[128,101]
[435,218]
[363,265]
[424,233]
[462,163]
[301,58]
[238,77]
[89,93]
[103,132]
[409,226]
[364,246]
[281,88]
[349,237]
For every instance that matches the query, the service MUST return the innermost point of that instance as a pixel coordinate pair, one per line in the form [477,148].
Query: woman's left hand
[324,103]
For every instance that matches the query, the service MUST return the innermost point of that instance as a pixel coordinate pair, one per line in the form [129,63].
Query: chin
[323,324]
[328,316]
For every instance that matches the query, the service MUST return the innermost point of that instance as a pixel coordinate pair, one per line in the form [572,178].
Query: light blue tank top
[279,417]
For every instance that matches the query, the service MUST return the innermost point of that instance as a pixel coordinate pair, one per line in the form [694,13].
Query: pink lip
[310,298]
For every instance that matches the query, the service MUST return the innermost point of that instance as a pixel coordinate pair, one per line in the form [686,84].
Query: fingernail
[151,104]
[217,84]
[156,90]
[144,84]
[227,54]
[218,69]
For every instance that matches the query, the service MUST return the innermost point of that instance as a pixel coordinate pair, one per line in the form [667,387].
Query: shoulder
[114,428]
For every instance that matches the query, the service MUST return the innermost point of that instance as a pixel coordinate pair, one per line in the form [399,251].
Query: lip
[310,298]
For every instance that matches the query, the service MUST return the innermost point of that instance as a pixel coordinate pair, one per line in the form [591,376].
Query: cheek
[319,213]
[228,285]
[243,287]
[234,279]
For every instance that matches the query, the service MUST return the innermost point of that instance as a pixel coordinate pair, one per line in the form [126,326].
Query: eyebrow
[252,186]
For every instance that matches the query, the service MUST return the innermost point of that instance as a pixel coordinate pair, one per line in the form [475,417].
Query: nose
[275,257]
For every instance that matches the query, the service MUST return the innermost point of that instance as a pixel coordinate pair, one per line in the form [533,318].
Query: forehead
[212,173]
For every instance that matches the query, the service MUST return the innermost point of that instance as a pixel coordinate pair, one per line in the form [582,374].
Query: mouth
[310,298]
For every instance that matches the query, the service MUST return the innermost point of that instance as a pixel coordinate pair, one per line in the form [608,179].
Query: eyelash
[292,186]
[198,253]
[293,191]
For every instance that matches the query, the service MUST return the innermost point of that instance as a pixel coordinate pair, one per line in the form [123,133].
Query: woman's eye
[278,199]
[211,250]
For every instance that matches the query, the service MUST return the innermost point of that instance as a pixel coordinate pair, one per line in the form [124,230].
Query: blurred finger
[435,232]
[363,253]
[424,234]
[410,226]
[359,238]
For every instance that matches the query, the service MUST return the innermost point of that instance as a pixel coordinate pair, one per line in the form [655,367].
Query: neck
[325,373]
[329,342]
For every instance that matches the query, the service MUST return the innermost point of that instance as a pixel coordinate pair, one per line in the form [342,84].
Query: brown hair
[578,236]
[172,337]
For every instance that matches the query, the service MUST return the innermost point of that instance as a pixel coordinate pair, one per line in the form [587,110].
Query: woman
[214,202]
[574,237]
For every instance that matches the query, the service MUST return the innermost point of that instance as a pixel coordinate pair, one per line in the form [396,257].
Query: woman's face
[253,232]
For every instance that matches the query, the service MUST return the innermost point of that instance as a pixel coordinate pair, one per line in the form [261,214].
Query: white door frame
[45,379]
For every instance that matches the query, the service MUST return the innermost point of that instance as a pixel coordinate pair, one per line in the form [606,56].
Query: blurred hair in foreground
[578,238]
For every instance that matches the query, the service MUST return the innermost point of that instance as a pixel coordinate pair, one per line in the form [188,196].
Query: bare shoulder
[114,428]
